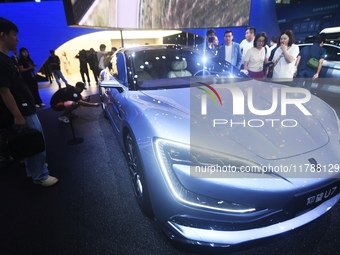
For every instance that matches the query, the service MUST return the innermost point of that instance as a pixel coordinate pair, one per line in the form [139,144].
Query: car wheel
[106,116]
[103,107]
[137,175]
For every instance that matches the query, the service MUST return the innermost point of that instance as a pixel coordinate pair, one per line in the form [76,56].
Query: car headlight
[170,153]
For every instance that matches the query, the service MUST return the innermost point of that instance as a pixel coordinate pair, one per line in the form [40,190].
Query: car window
[173,68]
[119,68]
[332,53]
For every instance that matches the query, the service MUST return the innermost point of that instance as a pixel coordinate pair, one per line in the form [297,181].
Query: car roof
[330,30]
[158,47]
[326,44]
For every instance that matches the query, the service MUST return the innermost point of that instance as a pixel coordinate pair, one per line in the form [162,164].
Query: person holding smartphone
[27,69]
[208,45]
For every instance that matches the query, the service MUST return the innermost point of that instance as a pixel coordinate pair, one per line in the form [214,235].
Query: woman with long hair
[27,69]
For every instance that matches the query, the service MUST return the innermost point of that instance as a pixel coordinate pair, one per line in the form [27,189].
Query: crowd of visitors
[19,94]
[283,55]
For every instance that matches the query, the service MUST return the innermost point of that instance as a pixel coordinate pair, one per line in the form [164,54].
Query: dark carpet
[92,209]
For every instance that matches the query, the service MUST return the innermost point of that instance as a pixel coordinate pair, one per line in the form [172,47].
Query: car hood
[270,137]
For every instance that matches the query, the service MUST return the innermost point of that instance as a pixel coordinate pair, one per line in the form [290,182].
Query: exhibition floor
[92,210]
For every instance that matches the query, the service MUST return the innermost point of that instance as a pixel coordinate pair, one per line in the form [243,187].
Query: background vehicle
[153,97]
[329,77]
[332,35]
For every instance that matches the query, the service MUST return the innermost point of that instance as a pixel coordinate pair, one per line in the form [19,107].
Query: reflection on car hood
[268,137]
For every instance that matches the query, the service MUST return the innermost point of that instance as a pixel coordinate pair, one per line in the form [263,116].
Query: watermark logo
[239,98]
[210,92]
[247,102]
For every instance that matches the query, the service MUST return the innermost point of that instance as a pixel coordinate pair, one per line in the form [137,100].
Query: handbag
[23,143]
[312,62]
[268,69]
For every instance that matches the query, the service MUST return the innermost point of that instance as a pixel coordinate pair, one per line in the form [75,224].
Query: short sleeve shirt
[255,59]
[54,62]
[10,78]
[307,52]
[284,71]
[245,46]
[65,94]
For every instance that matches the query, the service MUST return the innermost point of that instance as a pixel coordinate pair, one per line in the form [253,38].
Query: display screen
[157,14]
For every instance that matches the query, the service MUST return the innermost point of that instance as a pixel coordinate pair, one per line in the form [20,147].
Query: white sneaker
[50,181]
[64,119]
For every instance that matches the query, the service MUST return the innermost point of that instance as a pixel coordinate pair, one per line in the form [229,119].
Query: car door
[331,65]
[116,96]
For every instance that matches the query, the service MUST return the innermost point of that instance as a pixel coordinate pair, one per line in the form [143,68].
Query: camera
[211,39]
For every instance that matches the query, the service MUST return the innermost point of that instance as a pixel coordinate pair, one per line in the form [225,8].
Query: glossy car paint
[221,211]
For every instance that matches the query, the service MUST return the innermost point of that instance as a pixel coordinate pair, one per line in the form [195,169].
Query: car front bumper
[218,238]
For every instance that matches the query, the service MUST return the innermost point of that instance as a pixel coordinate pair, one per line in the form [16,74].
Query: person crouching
[68,99]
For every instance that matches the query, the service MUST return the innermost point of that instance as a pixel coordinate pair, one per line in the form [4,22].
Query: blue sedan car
[215,157]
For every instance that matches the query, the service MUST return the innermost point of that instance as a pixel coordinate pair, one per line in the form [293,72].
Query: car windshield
[173,68]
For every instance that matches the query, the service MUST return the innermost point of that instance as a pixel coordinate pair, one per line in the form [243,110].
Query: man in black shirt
[54,63]
[208,45]
[93,63]
[17,106]
[68,99]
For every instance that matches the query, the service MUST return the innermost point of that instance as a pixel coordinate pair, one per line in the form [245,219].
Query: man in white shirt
[101,56]
[230,51]
[248,42]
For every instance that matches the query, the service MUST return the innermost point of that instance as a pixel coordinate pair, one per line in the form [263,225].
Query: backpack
[272,53]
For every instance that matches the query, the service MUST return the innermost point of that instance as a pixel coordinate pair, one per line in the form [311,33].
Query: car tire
[137,176]
[103,107]
[106,116]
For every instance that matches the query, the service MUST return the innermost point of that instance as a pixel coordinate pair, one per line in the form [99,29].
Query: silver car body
[220,210]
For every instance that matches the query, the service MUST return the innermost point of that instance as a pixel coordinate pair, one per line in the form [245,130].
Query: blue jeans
[304,79]
[59,75]
[35,165]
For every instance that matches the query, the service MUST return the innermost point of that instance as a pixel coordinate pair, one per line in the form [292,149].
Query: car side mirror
[112,84]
